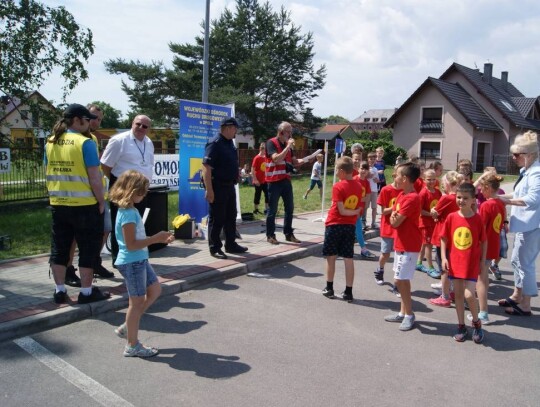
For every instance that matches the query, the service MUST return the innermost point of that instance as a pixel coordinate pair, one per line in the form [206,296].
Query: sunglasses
[144,126]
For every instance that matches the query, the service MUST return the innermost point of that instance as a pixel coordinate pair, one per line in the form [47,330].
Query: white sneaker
[437,291]
[436,285]
[485,320]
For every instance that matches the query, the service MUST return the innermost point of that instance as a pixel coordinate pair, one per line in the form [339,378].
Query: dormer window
[508,105]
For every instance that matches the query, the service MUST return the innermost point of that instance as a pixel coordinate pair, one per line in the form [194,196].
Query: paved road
[273,340]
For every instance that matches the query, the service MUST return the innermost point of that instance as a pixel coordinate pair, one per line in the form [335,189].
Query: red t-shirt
[366,190]
[446,205]
[258,166]
[387,199]
[492,213]
[464,237]
[350,193]
[407,236]
[419,184]
[428,201]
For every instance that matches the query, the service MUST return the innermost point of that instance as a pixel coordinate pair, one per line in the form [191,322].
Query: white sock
[60,287]
[86,290]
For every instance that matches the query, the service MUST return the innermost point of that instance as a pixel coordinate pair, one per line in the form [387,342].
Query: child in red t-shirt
[463,248]
[493,214]
[340,227]
[258,166]
[446,205]
[407,241]
[362,168]
[429,197]
[386,200]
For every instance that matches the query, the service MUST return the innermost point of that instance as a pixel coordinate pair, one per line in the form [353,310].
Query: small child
[316,176]
[438,168]
[446,205]
[373,179]
[493,214]
[380,165]
[141,281]
[363,171]
[386,200]
[259,182]
[407,243]
[340,227]
[463,247]
[429,197]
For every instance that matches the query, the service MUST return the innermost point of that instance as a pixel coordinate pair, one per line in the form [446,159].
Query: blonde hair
[128,184]
[526,143]
[451,179]
[492,181]
[346,164]
[429,173]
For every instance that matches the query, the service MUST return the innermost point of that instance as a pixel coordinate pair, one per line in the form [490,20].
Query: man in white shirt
[131,150]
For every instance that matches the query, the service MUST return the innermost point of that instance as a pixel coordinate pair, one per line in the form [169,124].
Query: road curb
[66,315]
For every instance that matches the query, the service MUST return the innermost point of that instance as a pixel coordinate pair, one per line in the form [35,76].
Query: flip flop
[507,302]
[517,311]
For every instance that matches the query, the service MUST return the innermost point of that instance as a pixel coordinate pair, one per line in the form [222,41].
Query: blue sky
[377,52]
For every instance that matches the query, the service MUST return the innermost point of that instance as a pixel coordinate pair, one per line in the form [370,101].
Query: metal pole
[206,52]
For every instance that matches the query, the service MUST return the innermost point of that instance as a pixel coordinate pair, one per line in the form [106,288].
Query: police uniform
[221,156]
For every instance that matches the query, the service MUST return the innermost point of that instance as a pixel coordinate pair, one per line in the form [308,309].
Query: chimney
[504,79]
[488,72]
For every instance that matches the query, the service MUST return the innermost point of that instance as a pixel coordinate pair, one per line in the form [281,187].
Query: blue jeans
[138,276]
[360,233]
[524,255]
[280,189]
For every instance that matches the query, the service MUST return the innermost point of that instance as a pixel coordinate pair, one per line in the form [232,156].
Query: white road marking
[98,392]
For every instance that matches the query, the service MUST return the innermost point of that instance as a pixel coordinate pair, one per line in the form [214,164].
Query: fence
[26,180]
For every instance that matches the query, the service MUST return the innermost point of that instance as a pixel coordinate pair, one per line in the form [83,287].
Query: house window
[431,120]
[375,119]
[366,119]
[243,146]
[383,119]
[430,149]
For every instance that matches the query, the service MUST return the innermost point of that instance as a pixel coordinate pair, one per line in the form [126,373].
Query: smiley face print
[433,204]
[351,202]
[392,202]
[463,238]
[497,223]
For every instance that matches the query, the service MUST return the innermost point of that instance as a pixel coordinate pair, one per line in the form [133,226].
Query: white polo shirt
[124,152]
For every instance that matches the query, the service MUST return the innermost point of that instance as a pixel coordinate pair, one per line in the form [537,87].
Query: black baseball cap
[76,110]
[230,121]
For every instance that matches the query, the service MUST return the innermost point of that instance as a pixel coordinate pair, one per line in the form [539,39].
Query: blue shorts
[314,182]
[138,276]
[387,245]
[339,241]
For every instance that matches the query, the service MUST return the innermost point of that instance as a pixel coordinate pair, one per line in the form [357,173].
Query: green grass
[29,226]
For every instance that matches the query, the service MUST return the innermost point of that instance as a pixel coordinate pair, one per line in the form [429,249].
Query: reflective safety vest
[277,171]
[67,178]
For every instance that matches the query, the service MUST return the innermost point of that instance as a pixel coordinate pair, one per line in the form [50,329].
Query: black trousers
[258,189]
[222,215]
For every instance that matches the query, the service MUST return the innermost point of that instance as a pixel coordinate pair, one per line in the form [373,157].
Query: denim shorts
[138,276]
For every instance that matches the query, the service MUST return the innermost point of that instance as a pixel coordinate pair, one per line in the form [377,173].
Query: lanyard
[141,151]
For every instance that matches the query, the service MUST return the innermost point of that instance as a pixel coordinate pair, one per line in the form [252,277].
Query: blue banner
[199,122]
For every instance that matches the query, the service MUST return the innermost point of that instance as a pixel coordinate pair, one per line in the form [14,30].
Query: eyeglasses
[144,126]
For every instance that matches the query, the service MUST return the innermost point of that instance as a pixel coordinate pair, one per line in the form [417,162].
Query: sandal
[517,311]
[507,302]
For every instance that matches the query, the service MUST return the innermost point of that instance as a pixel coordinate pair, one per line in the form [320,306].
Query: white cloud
[376,51]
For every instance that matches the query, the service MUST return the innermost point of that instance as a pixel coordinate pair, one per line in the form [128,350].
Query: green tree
[336,119]
[259,60]
[34,40]
[111,116]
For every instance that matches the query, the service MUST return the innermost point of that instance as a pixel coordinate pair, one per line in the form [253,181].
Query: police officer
[220,174]
[77,202]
